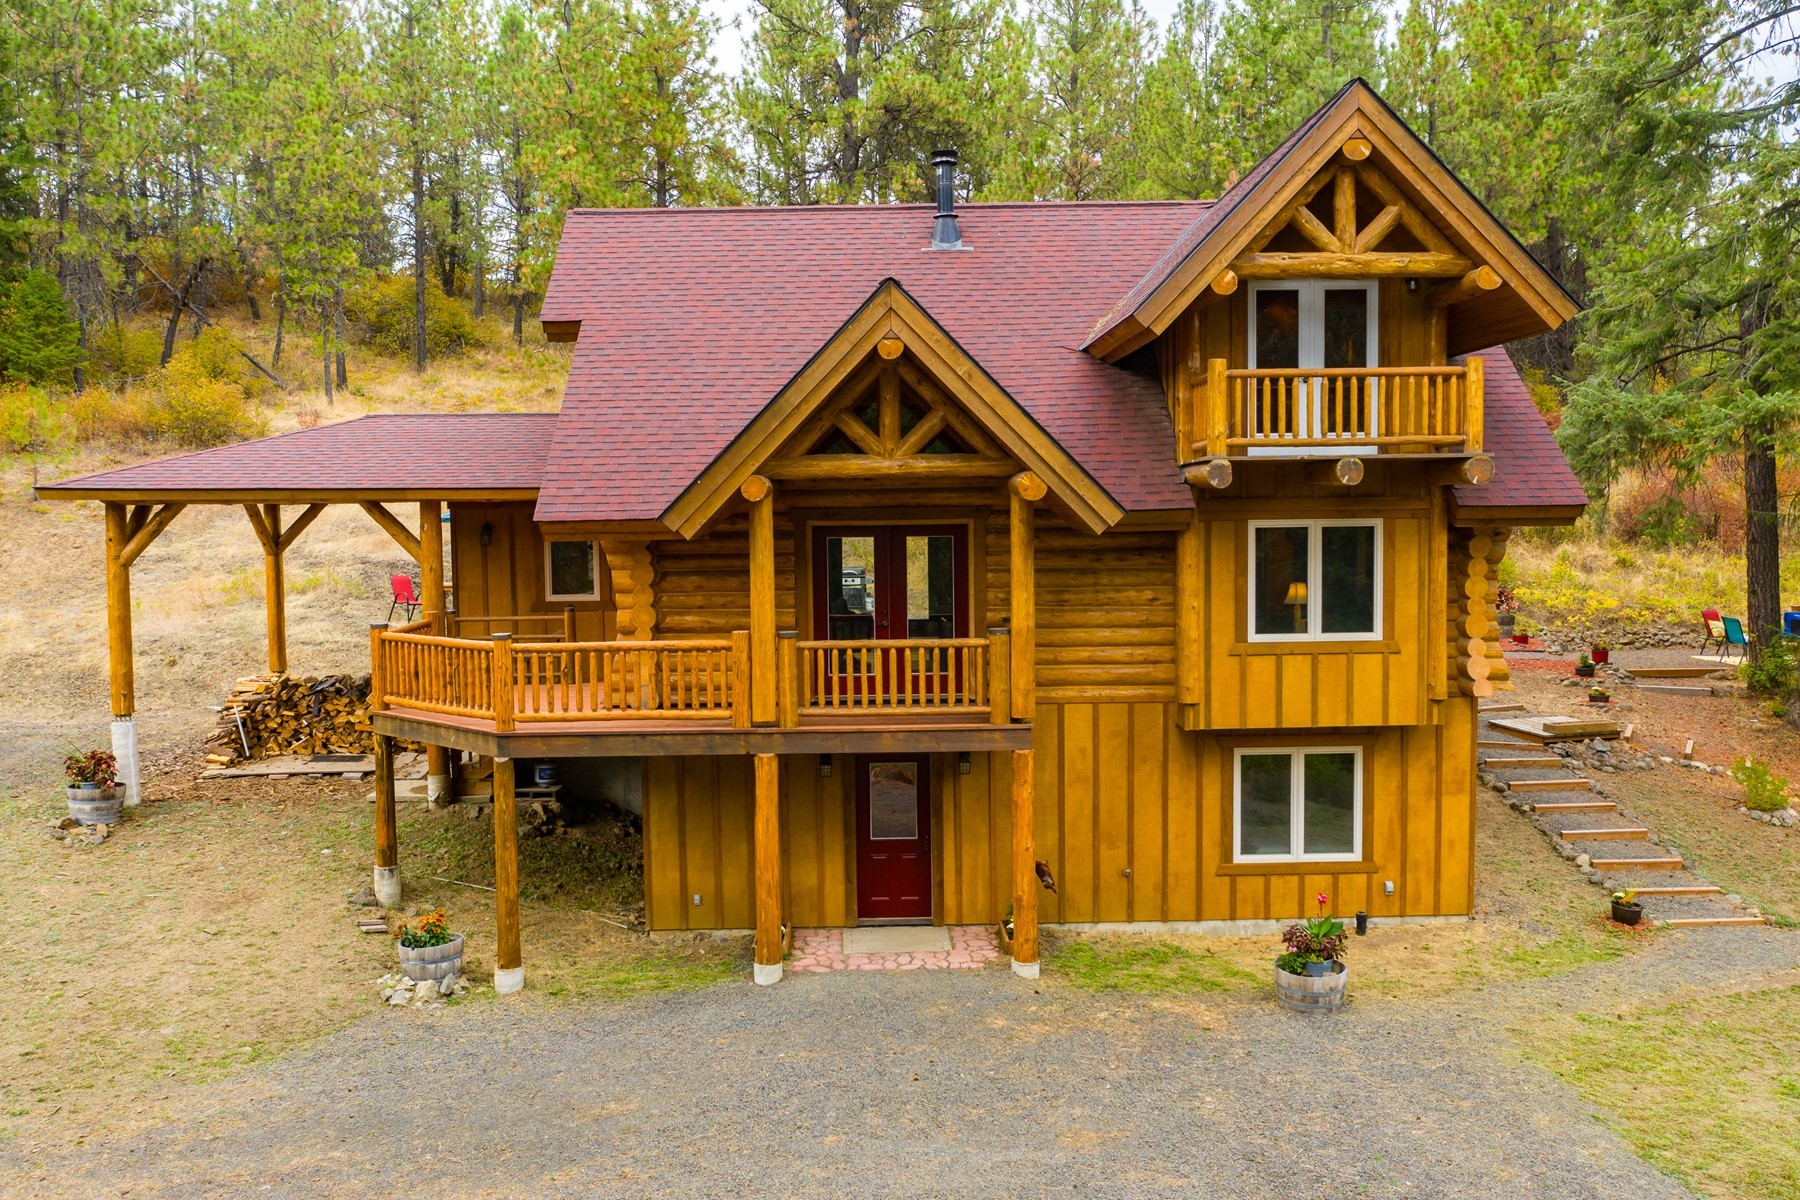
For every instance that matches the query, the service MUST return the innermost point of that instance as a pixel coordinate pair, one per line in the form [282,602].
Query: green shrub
[381,314]
[188,408]
[1764,790]
[124,352]
[1772,672]
[28,420]
[38,341]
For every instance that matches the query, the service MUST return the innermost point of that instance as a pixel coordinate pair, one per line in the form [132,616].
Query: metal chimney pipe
[944,233]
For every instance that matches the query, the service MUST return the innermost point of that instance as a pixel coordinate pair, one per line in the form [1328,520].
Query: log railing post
[1474,387]
[434,604]
[740,679]
[1025,490]
[569,624]
[999,695]
[767,968]
[1024,868]
[509,973]
[1218,408]
[378,684]
[387,848]
[503,683]
[761,495]
[788,678]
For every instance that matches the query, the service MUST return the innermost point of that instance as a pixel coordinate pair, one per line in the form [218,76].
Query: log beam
[633,571]
[1475,469]
[1479,282]
[509,971]
[387,839]
[1024,867]
[1341,472]
[760,494]
[396,528]
[1025,490]
[1357,148]
[866,467]
[1212,473]
[1372,264]
[1225,282]
[767,969]
[434,603]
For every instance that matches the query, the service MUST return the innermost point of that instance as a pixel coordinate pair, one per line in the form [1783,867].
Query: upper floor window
[1315,580]
[571,571]
[1313,324]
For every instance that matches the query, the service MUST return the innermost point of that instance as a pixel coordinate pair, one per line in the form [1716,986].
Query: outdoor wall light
[824,768]
[1412,285]
[487,533]
[1387,887]
[963,765]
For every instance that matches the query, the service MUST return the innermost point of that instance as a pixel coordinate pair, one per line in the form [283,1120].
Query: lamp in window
[1296,600]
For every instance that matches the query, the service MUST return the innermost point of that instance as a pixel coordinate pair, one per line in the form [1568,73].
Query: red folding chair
[1714,629]
[405,596]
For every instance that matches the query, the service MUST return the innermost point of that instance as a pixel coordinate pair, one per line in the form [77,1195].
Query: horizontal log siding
[1106,615]
[703,586]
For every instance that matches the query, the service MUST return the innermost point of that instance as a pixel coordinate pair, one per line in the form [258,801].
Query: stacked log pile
[292,714]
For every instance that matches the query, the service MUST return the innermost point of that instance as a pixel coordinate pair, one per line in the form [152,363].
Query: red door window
[893,838]
[889,582]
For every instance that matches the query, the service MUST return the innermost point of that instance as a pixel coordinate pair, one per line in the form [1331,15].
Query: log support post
[767,968]
[1024,868]
[1190,612]
[1000,655]
[435,604]
[509,971]
[1025,490]
[387,837]
[275,589]
[118,645]
[787,671]
[761,495]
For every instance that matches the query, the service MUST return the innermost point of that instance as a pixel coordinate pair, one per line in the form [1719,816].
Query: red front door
[893,837]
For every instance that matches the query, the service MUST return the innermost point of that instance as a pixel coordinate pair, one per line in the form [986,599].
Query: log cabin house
[888,551]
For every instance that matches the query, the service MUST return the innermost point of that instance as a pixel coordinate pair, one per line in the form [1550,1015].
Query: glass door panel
[852,577]
[891,584]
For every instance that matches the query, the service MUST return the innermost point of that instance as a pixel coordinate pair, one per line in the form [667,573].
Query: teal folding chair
[1734,636]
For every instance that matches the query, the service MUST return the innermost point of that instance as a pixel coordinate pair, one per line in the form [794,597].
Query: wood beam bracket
[397,530]
[149,529]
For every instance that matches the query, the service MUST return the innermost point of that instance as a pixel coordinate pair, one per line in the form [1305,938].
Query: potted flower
[1584,666]
[93,792]
[1522,633]
[1600,652]
[428,950]
[1625,907]
[1310,976]
[1599,695]
[1006,931]
[1506,609]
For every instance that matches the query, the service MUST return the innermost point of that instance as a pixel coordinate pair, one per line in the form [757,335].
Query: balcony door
[1304,325]
[889,583]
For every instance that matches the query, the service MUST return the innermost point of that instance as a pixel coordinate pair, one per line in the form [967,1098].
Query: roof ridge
[908,206]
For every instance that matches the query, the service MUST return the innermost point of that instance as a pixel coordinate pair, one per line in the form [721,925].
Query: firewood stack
[289,714]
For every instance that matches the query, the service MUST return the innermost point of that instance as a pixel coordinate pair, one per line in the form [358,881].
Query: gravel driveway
[892,1084]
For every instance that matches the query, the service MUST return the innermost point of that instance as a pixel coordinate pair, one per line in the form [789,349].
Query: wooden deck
[612,737]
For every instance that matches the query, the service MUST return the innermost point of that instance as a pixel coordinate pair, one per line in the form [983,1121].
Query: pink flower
[1323,899]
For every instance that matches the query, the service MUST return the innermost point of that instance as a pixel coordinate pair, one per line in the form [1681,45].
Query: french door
[888,584]
[1300,326]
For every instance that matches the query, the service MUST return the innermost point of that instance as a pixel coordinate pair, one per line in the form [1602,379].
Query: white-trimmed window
[1315,580]
[571,570]
[1303,804]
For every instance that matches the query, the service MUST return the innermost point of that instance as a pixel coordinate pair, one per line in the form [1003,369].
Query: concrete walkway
[928,1083]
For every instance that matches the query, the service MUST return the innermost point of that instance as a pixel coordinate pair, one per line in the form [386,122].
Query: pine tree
[1090,57]
[1176,140]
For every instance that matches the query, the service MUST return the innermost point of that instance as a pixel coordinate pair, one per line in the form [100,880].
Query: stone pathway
[821,950]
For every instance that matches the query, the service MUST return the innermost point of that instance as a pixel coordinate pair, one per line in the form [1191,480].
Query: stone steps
[1678,889]
[1633,834]
[1553,807]
[1635,863]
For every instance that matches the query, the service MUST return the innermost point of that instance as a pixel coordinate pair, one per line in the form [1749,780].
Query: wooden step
[1503,707]
[1497,744]
[1693,889]
[1557,729]
[1676,689]
[1550,785]
[1548,762]
[1605,835]
[1695,922]
[1637,864]
[1552,807]
[1670,672]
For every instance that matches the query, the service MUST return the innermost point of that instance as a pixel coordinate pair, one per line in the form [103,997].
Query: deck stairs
[1580,820]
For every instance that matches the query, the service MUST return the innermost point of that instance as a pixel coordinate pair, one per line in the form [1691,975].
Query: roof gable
[890,315]
[1354,128]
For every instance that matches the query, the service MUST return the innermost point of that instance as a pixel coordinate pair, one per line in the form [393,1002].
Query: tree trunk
[418,218]
[325,355]
[249,283]
[280,318]
[478,285]
[337,326]
[518,317]
[1762,538]
[180,302]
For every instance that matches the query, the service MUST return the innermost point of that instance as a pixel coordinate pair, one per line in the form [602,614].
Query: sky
[729,49]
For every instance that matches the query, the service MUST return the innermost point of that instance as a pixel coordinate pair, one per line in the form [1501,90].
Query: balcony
[503,696]
[1339,412]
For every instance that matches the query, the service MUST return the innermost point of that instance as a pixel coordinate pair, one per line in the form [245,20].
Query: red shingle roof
[1529,468]
[692,320]
[442,452]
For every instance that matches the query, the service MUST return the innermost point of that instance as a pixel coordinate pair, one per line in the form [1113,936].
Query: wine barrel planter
[433,962]
[1003,935]
[1309,993]
[95,805]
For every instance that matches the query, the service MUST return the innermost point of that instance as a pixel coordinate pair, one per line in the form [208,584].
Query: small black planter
[1627,914]
[1586,672]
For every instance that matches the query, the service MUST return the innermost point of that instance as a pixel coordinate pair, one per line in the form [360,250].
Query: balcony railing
[511,683]
[1367,410]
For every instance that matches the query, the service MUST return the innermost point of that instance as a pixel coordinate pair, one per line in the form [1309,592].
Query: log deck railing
[510,682]
[1385,410]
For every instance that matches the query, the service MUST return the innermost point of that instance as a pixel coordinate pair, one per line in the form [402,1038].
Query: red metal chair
[405,596]
[1714,629]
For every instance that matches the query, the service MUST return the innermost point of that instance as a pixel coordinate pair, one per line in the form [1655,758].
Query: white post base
[508,980]
[387,887]
[766,973]
[437,791]
[124,748]
[1025,970]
